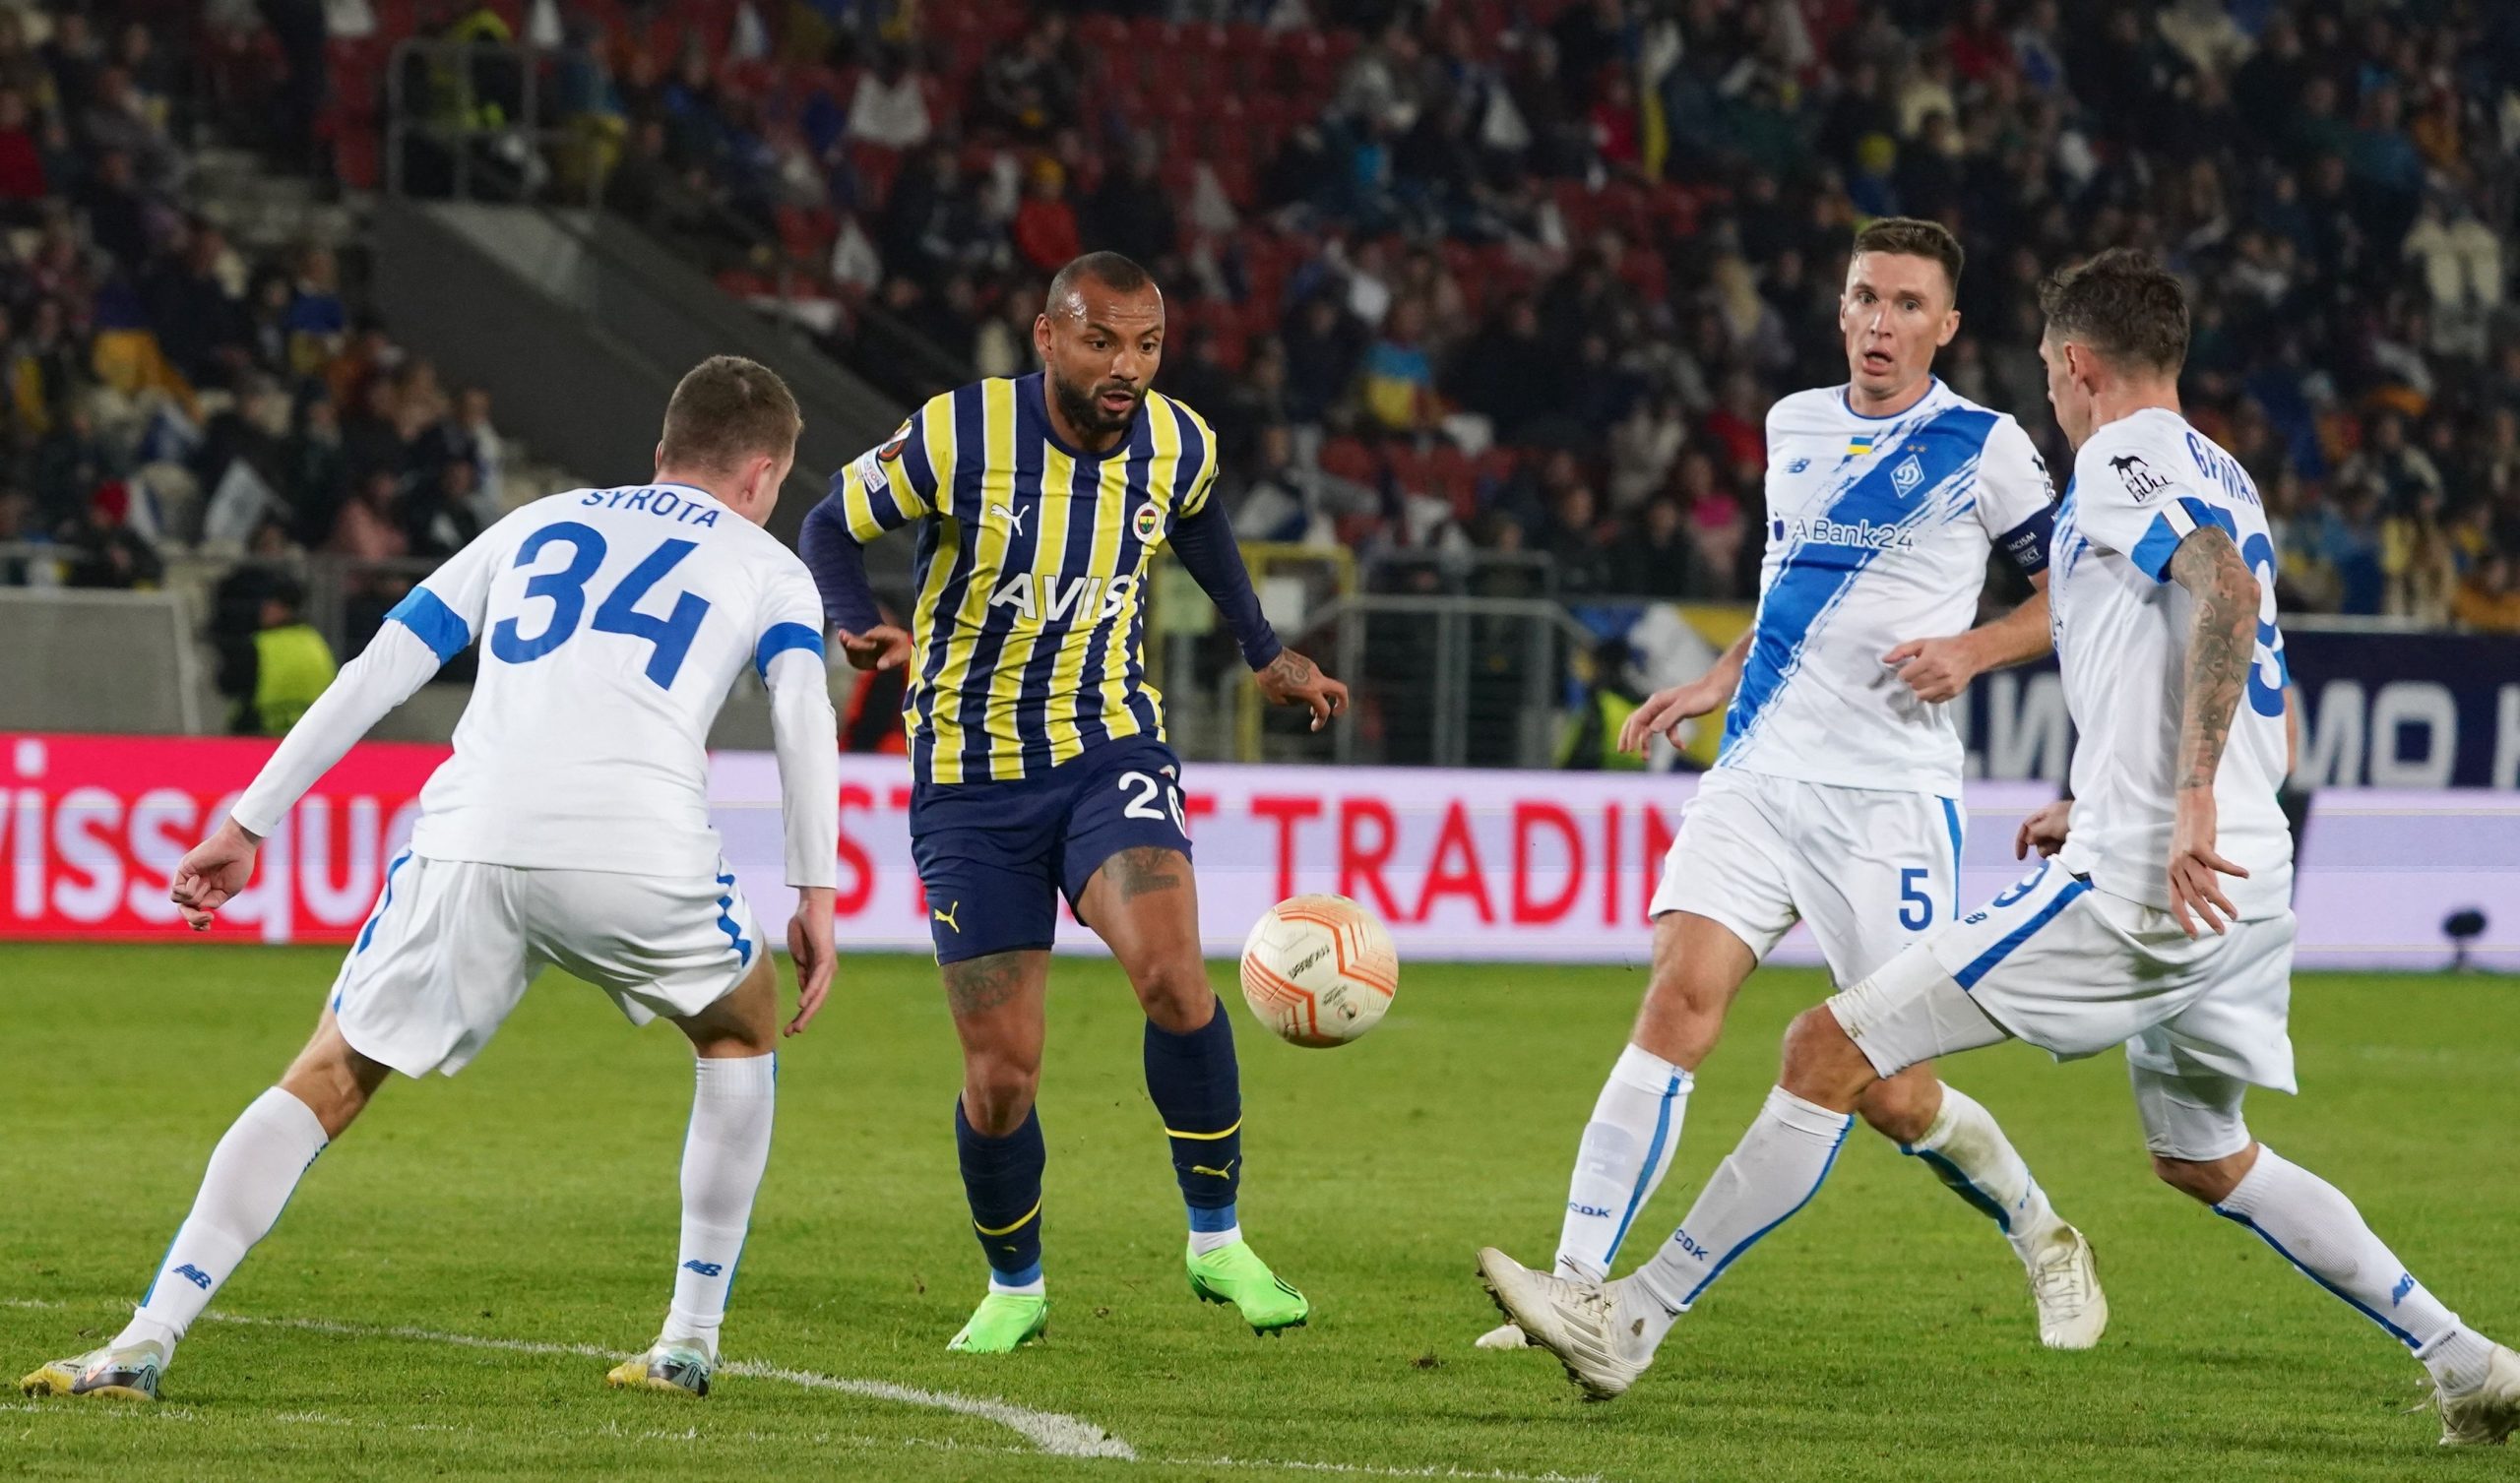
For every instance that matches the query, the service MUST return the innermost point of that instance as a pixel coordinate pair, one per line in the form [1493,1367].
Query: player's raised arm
[884,488]
[437,621]
[1203,537]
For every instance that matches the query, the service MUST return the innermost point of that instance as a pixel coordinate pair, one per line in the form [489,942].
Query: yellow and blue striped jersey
[1031,572]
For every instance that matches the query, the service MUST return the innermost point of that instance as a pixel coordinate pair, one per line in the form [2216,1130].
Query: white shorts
[1870,869]
[453,943]
[2074,971]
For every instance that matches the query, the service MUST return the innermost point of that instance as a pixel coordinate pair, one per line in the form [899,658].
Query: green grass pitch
[530,1204]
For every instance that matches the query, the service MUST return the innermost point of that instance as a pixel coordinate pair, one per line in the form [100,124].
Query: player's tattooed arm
[2219,648]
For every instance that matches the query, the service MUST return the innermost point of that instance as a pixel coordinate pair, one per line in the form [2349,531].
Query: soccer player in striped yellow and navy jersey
[1038,752]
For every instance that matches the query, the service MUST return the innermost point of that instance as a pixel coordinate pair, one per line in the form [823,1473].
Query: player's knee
[2208,1180]
[1901,1108]
[1683,1014]
[997,1092]
[1177,996]
[1821,1064]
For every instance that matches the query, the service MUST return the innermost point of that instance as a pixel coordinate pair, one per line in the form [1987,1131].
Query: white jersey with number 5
[2141,484]
[611,624]
[1877,533]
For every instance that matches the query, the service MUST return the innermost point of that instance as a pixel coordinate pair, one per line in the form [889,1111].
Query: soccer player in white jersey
[570,827]
[1835,799]
[2159,918]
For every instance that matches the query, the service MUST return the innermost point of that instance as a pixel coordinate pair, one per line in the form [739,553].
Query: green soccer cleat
[1235,1275]
[1003,1322]
[108,1373]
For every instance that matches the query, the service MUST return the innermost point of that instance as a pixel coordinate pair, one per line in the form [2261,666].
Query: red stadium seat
[1410,469]
[1102,32]
[1349,458]
[1455,480]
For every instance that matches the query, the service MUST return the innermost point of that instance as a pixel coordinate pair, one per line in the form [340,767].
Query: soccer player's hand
[882,647]
[2043,832]
[1936,669]
[1294,680]
[1664,709]
[213,872]
[2194,865]
[809,942]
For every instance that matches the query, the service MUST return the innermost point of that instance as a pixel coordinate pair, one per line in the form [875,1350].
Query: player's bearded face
[1100,358]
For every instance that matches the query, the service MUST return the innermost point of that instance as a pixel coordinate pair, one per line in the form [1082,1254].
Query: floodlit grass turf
[1885,1332]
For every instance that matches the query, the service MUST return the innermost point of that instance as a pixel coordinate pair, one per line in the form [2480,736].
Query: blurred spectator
[1132,214]
[1657,558]
[1399,382]
[272,663]
[23,181]
[890,106]
[2488,600]
[1046,232]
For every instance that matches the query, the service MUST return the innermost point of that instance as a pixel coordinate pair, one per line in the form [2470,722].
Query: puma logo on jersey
[947,917]
[1044,596]
[1014,518]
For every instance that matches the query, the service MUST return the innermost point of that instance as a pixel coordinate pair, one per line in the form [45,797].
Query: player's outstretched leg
[1957,1138]
[734,1092]
[1627,1145]
[996,1000]
[1605,1334]
[2311,1224]
[251,1175]
[1143,904]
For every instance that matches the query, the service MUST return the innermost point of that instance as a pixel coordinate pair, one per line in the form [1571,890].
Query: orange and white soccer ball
[1319,969]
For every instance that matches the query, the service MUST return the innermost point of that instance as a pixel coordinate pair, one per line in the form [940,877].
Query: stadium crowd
[1480,275]
[163,388]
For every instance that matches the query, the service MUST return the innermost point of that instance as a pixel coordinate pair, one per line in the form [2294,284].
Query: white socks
[1203,1242]
[723,1156]
[2313,1225]
[1966,1152]
[1627,1147]
[251,1175]
[1774,1172]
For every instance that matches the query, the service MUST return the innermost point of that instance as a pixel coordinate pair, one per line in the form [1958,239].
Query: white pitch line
[1050,1432]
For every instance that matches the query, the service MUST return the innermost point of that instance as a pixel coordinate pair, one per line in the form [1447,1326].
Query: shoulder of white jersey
[1821,406]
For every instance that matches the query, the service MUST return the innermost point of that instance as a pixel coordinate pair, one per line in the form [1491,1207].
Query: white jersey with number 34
[2141,485]
[611,623]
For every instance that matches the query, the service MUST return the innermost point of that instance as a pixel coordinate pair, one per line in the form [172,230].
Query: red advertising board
[94,826]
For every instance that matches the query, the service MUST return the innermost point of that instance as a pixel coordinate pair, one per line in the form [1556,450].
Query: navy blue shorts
[994,856]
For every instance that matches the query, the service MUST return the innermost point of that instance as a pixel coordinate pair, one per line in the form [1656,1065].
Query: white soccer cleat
[1583,1324]
[1505,1336]
[2487,1415]
[2064,1280]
